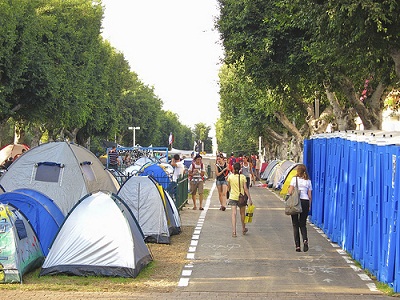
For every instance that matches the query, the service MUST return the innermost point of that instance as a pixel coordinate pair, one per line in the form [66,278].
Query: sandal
[201,208]
[298,249]
[245,231]
[233,234]
[194,208]
[223,208]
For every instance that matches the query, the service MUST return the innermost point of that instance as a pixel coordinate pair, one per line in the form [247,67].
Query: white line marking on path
[187,272]
[372,287]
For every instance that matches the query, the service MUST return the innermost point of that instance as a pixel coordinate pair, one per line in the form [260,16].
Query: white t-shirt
[304,186]
[179,169]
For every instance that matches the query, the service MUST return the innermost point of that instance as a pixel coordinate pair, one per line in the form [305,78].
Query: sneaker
[305,248]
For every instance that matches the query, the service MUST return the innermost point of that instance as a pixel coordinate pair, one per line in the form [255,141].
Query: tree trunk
[395,54]
[371,117]
[290,149]
[37,135]
[19,133]
[288,125]
[72,134]
[341,115]
[320,124]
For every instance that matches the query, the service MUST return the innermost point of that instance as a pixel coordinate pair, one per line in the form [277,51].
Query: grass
[161,275]
[383,287]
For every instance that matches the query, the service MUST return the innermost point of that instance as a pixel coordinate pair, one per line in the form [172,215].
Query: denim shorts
[233,202]
[221,182]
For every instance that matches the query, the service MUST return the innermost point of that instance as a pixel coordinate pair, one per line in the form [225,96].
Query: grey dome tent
[62,171]
[271,165]
[100,237]
[147,200]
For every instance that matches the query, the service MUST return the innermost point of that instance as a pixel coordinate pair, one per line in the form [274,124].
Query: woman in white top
[247,170]
[299,221]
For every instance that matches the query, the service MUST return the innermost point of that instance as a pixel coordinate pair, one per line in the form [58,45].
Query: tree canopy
[296,66]
[59,79]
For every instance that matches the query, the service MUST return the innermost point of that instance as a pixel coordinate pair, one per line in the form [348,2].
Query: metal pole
[134,136]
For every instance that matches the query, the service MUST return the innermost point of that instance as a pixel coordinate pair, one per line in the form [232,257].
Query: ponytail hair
[302,172]
[236,168]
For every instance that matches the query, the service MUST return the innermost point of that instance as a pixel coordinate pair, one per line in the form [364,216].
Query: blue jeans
[299,222]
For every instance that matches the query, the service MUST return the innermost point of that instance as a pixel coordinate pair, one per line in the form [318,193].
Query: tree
[201,136]
[335,52]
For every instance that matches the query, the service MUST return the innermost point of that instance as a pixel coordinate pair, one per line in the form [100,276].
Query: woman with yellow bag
[237,187]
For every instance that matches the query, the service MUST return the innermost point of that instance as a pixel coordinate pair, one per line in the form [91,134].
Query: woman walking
[237,185]
[247,170]
[299,220]
[221,172]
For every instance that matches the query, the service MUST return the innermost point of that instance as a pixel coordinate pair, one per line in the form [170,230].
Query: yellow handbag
[249,213]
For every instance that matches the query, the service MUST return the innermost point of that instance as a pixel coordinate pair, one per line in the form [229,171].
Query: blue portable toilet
[389,272]
[318,179]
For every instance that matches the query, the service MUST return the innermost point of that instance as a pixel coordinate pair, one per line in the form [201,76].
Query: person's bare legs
[194,201]
[201,200]
[223,198]
[234,212]
[220,191]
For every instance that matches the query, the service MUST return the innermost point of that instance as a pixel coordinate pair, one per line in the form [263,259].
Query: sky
[173,47]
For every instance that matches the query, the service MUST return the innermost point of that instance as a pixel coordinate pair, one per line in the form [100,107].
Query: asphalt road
[263,264]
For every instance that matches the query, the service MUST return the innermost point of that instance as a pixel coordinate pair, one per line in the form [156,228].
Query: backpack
[193,167]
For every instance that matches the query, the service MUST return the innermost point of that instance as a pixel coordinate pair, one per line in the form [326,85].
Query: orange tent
[11,150]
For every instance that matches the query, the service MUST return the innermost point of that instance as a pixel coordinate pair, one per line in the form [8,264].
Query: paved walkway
[260,265]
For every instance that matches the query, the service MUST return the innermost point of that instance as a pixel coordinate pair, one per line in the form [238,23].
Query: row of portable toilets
[356,186]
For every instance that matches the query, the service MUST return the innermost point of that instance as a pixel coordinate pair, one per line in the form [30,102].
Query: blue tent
[158,173]
[42,213]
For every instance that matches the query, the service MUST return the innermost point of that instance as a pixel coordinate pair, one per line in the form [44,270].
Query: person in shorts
[234,190]
[196,176]
[221,173]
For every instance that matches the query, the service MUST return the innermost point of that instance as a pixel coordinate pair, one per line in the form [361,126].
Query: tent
[285,174]
[11,150]
[279,171]
[173,215]
[41,212]
[62,171]
[263,167]
[285,185]
[158,172]
[99,237]
[187,162]
[174,222]
[151,208]
[271,165]
[20,249]
[137,165]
